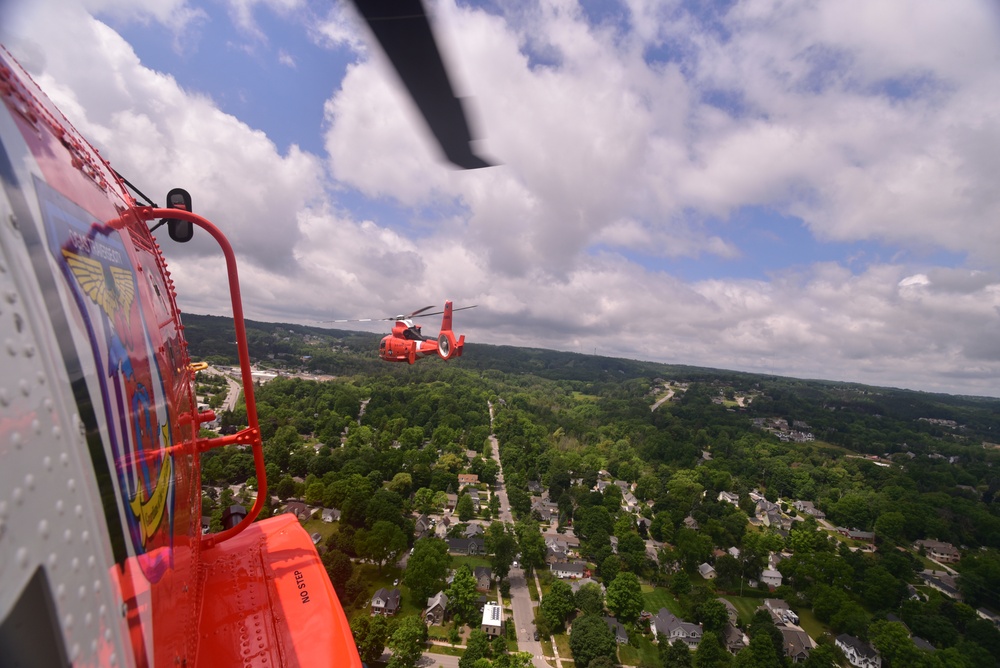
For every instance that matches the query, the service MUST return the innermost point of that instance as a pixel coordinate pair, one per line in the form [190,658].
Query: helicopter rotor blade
[404,33]
[425,315]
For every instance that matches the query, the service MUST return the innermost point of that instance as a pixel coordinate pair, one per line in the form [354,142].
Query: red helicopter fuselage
[407,344]
[102,556]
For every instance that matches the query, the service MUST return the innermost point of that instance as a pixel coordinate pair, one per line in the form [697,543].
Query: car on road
[536,636]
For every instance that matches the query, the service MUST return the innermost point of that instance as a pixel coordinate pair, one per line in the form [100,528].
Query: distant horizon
[474,344]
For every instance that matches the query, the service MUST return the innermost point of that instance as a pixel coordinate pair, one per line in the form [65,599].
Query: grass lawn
[657,597]
[547,647]
[324,529]
[745,606]
[450,651]
[646,652]
[815,628]
[562,644]
[471,562]
[532,590]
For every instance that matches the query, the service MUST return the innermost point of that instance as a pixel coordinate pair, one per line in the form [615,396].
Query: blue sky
[804,189]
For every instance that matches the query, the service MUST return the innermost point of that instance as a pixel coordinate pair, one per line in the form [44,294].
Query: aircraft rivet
[43,528]
[47,404]
[61,591]
[68,536]
[29,351]
[76,651]
[17,495]
[12,219]
[22,556]
[15,440]
[4,397]
[97,589]
[11,297]
[93,643]
[71,485]
[107,632]
[47,463]
[81,592]
[68,624]
[36,426]
[53,560]
[11,347]
[25,387]
[91,562]
[29,482]
[75,564]
[3,528]
[57,432]
[78,510]
[85,536]
[113,659]
[64,459]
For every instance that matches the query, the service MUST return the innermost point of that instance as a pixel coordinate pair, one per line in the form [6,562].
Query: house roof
[860,647]
[390,597]
[492,615]
[439,599]
[621,635]
[569,566]
[667,622]
[482,572]
[796,641]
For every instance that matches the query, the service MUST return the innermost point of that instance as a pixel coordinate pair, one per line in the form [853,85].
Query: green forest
[657,471]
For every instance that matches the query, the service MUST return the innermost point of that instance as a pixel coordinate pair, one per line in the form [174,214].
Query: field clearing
[646,653]
[745,606]
[656,598]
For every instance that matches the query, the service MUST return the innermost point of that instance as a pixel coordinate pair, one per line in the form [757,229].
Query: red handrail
[250,435]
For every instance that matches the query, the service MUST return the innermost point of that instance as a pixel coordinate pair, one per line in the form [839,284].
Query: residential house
[667,624]
[470,546]
[989,616]
[691,523]
[780,612]
[385,602]
[576,584]
[629,502]
[474,495]
[707,571]
[452,501]
[484,577]
[437,606]
[422,527]
[299,509]
[472,530]
[943,582]
[568,569]
[922,644]
[938,551]
[808,508]
[734,638]
[442,527]
[863,536]
[621,635]
[331,515]
[614,544]
[859,653]
[796,643]
[492,620]
[556,549]
[467,479]
[534,488]
[544,510]
[734,552]
[728,497]
[771,578]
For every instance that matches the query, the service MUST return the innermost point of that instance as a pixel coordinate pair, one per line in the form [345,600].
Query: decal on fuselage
[101,275]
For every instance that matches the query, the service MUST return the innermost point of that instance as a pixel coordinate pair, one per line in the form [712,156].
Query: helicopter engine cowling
[448,346]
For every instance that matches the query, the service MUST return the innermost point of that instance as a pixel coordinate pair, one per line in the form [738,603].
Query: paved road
[520,600]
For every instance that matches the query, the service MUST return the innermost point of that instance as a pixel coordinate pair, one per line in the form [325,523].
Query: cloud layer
[626,141]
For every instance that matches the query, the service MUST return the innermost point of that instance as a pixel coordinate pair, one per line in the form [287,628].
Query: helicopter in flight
[103,561]
[406,343]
